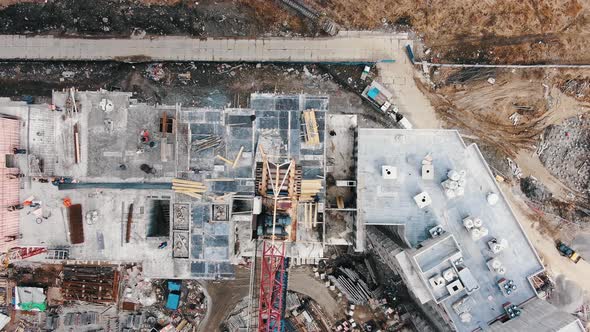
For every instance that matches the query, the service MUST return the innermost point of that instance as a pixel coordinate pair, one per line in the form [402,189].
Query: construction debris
[350,284]
[97,284]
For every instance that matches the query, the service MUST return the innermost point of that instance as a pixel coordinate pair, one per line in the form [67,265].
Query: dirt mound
[534,190]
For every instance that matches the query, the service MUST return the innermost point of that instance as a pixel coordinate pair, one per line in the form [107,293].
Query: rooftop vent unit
[423,199]
[436,231]
[449,274]
[508,287]
[468,223]
[475,228]
[389,172]
[495,265]
[477,222]
[497,245]
[512,310]
[437,281]
[492,199]
[454,185]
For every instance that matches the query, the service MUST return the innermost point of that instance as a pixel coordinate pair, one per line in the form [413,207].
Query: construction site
[293,165]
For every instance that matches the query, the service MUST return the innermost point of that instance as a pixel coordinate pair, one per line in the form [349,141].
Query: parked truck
[568,252]
[380,97]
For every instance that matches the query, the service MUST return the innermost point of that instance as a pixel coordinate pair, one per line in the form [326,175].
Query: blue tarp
[373,93]
[173,295]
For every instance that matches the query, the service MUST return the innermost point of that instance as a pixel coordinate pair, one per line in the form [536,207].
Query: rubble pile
[567,150]
[238,319]
[195,305]
[139,289]
[577,88]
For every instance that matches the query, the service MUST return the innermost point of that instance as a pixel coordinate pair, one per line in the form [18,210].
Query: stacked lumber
[193,189]
[309,189]
[312,136]
[310,215]
[340,202]
[208,142]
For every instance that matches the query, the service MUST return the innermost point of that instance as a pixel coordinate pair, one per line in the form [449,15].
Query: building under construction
[97,179]
[115,180]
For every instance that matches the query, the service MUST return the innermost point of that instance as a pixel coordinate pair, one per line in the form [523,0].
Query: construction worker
[19,151]
[163,245]
[145,136]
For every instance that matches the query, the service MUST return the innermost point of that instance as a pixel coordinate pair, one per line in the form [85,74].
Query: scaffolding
[9,194]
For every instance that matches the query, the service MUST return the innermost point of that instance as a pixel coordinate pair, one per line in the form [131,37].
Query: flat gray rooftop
[390,202]
[540,316]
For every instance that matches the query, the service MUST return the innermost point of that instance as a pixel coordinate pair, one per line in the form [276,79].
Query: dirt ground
[560,267]
[192,84]
[302,281]
[509,118]
[223,297]
[204,18]
[478,31]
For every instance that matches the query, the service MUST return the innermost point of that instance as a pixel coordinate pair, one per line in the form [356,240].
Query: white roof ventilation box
[427,172]
[437,281]
[423,199]
[427,168]
[455,287]
[389,172]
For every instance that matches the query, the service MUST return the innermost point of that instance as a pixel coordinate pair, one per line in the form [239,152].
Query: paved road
[347,46]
